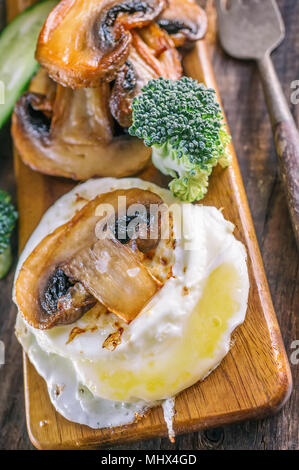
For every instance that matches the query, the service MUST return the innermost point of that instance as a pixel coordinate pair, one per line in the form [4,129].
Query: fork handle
[286,137]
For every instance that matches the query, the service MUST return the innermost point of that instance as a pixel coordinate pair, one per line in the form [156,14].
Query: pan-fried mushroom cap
[152,55]
[184,20]
[64,302]
[73,268]
[72,135]
[125,88]
[83,41]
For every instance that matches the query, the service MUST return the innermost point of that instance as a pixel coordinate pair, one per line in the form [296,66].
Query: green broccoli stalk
[8,217]
[183,123]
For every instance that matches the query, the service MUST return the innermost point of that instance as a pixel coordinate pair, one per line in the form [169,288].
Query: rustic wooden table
[244,104]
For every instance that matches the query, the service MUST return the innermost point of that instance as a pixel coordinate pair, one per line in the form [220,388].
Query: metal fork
[251,30]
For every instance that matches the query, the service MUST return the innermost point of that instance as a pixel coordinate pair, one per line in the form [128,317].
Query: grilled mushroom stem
[84,41]
[184,21]
[73,268]
[72,135]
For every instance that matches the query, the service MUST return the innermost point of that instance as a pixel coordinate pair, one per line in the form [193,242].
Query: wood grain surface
[258,165]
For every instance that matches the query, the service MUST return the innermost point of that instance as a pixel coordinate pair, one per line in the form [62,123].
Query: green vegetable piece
[5,262]
[182,121]
[8,218]
[17,48]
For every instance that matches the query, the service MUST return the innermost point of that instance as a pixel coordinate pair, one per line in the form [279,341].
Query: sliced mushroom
[73,136]
[124,90]
[132,77]
[74,303]
[156,38]
[42,84]
[73,268]
[184,21]
[84,41]
[152,55]
[114,276]
[63,301]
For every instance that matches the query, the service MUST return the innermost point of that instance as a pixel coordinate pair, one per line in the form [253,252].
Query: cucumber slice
[17,48]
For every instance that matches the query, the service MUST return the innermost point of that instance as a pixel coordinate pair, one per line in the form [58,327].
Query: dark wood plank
[13,434]
[243,101]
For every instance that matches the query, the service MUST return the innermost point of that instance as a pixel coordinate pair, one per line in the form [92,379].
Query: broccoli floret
[183,123]
[8,217]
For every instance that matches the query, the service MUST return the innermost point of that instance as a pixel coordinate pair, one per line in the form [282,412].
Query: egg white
[179,337]
[68,395]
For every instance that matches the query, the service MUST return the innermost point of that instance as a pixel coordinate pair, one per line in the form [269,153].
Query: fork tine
[235,4]
[220,6]
[225,6]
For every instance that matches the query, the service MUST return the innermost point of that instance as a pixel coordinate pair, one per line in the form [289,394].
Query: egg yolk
[187,360]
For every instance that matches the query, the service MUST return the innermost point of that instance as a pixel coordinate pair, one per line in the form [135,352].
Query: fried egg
[179,337]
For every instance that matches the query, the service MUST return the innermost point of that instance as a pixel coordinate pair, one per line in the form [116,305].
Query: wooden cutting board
[252,381]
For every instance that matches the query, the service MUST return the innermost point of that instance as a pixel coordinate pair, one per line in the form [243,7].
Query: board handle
[286,138]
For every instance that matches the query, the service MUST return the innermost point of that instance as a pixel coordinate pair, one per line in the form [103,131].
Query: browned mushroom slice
[156,38]
[75,139]
[114,276]
[42,84]
[72,268]
[73,304]
[83,41]
[130,80]
[152,55]
[63,301]
[184,21]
